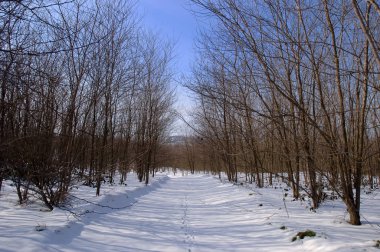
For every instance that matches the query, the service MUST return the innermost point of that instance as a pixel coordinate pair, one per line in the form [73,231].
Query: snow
[184,212]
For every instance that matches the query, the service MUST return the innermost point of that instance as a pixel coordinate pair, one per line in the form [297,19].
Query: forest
[291,88]
[282,88]
[84,93]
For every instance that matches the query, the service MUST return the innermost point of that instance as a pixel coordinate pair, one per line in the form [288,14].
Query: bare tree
[288,64]
[74,77]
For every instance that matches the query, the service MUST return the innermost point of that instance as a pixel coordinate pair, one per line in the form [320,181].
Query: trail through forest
[183,212]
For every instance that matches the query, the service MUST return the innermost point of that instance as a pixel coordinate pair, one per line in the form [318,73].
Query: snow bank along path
[183,213]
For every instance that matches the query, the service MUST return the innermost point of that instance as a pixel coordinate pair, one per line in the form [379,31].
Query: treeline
[84,93]
[292,86]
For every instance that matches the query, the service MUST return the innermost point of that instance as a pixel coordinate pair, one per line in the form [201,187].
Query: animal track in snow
[189,233]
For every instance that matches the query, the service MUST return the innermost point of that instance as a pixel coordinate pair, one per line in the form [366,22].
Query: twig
[104,206]
[283,199]
[78,215]
[372,225]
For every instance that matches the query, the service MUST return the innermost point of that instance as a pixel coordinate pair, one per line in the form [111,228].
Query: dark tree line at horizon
[84,92]
[292,86]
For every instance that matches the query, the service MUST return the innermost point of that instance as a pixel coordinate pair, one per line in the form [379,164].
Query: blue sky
[173,20]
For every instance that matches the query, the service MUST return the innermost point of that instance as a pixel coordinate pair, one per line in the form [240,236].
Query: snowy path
[184,213]
[190,213]
[193,213]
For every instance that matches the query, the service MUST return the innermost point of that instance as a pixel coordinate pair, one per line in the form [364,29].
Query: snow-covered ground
[184,212]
